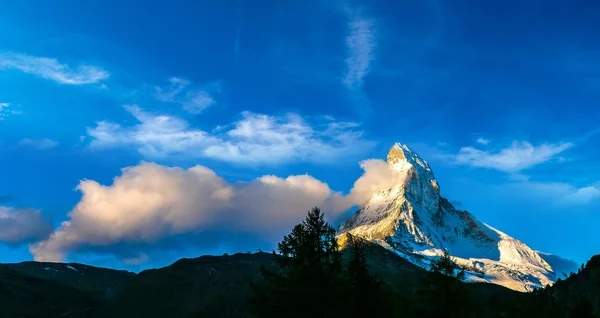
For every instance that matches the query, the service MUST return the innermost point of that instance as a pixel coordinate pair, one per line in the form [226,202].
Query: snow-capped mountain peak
[400,157]
[412,219]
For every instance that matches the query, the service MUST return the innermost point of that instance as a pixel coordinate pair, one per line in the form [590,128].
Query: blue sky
[501,99]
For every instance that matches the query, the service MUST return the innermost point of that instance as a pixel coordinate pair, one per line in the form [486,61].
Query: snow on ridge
[72,268]
[401,157]
[413,157]
[413,220]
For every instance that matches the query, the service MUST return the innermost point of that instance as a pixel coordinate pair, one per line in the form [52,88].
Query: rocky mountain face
[414,221]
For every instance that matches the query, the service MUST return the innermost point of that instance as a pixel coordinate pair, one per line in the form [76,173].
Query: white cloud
[361,44]
[193,101]
[150,203]
[168,94]
[6,112]
[23,225]
[581,196]
[38,144]
[482,141]
[557,195]
[3,110]
[519,156]
[377,176]
[197,101]
[51,69]
[253,139]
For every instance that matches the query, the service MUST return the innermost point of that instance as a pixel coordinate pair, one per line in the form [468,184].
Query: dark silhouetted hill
[218,286]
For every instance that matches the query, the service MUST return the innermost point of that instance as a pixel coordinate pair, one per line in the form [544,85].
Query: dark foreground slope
[101,281]
[218,286]
[409,283]
[577,296]
[33,289]
[208,286]
[25,296]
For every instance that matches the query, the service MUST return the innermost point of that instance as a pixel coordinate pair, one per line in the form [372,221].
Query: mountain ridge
[38,289]
[412,219]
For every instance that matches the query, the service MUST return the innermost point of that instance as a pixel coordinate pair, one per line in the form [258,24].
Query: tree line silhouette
[313,278]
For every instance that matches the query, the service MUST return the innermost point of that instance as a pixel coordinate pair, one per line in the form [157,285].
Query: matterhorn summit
[414,221]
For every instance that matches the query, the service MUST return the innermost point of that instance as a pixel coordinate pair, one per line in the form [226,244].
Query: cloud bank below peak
[253,139]
[150,204]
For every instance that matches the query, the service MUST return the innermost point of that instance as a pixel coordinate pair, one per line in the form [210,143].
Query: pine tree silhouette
[446,265]
[308,281]
[368,297]
[443,295]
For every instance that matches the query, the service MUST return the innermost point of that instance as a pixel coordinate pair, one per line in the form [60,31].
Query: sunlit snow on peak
[413,220]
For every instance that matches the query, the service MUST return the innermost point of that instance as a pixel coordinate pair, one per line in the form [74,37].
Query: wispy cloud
[582,196]
[197,101]
[360,44]
[519,156]
[6,112]
[482,141]
[38,144]
[168,93]
[558,194]
[253,139]
[178,91]
[50,68]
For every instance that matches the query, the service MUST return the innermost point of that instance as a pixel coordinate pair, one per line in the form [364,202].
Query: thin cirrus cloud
[23,225]
[150,204]
[50,68]
[168,93]
[560,195]
[38,144]
[5,111]
[519,156]
[360,44]
[194,101]
[482,141]
[583,196]
[253,139]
